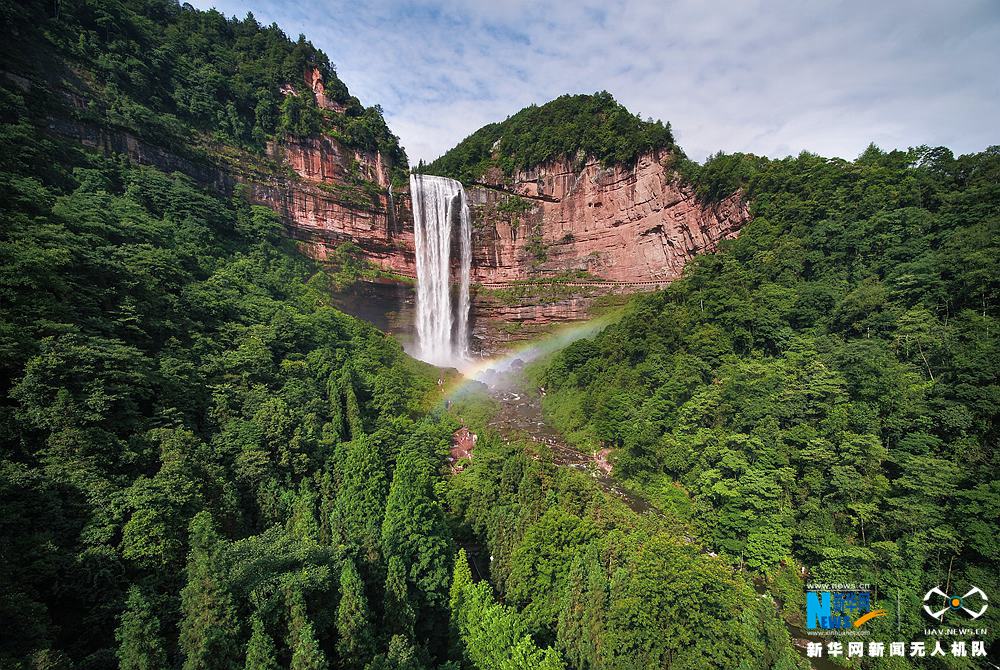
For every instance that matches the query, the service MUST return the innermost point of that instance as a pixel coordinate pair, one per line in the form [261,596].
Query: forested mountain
[822,392]
[586,125]
[191,433]
[183,78]
[205,465]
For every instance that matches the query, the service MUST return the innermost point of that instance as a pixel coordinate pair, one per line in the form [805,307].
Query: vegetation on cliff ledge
[594,126]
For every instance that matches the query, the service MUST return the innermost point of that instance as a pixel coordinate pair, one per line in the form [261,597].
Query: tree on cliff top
[595,126]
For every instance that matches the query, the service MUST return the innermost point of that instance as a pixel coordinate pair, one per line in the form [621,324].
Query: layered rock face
[574,238]
[333,198]
[549,244]
[326,193]
[627,224]
[339,194]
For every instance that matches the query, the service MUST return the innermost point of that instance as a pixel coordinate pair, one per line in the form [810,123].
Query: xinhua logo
[937,603]
[836,610]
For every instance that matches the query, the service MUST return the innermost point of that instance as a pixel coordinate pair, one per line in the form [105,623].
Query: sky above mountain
[771,78]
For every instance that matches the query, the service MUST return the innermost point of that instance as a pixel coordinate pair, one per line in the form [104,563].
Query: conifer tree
[360,503]
[355,640]
[306,653]
[584,602]
[209,630]
[303,525]
[402,655]
[140,646]
[261,653]
[415,528]
[336,400]
[492,636]
[461,578]
[398,618]
[355,423]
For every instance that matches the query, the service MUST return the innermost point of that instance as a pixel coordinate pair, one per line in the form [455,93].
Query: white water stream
[439,205]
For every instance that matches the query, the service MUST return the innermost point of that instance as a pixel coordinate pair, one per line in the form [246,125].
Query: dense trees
[196,447]
[822,391]
[140,645]
[492,637]
[571,126]
[173,74]
[204,465]
[606,587]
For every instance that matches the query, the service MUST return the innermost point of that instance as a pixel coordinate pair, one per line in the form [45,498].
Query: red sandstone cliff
[621,223]
[325,192]
[333,198]
[338,194]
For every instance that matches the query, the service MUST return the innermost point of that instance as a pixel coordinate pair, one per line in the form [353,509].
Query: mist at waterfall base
[504,371]
[439,208]
[440,214]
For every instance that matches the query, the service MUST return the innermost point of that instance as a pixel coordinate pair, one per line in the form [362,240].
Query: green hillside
[593,126]
[823,391]
[205,466]
[186,79]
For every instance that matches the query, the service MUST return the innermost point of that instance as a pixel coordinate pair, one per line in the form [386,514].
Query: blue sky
[771,78]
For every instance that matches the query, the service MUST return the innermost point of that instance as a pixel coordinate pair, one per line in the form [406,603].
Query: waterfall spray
[439,204]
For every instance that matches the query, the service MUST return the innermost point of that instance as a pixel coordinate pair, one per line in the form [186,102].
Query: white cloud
[769,77]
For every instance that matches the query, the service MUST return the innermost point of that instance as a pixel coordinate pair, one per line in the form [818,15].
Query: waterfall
[439,204]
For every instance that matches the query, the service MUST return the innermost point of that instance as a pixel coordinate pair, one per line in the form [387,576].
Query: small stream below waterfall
[520,414]
[441,214]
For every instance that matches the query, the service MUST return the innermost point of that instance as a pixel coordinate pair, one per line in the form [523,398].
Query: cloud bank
[771,78]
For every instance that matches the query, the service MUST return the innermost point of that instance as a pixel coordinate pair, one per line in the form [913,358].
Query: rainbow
[481,370]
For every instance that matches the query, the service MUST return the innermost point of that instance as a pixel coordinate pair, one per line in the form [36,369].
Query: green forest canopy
[205,465]
[823,391]
[173,74]
[594,126]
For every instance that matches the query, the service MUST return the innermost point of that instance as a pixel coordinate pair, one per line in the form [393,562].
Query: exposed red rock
[603,462]
[635,223]
[314,80]
[463,441]
[638,224]
[619,223]
[324,207]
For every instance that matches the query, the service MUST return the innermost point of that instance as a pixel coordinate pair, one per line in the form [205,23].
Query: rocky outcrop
[555,243]
[337,195]
[314,80]
[326,192]
[633,223]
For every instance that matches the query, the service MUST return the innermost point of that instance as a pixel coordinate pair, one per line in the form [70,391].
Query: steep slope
[189,473]
[821,396]
[234,102]
[577,188]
